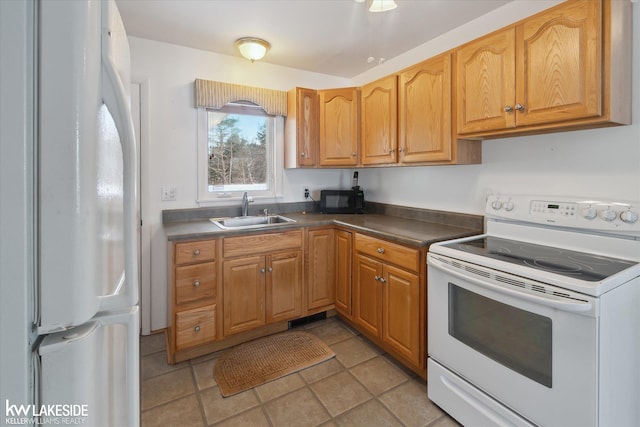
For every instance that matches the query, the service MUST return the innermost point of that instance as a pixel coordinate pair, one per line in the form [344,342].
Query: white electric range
[537,321]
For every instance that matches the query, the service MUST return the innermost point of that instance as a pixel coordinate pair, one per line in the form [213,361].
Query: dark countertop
[407,231]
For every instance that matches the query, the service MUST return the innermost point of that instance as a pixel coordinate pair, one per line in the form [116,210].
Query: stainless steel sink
[255,221]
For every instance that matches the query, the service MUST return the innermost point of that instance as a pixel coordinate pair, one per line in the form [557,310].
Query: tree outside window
[238,151]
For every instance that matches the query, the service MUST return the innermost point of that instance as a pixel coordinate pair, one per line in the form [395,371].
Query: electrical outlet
[307,193]
[168,194]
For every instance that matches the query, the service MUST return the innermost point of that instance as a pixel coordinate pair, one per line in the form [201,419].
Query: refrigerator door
[94,370]
[86,166]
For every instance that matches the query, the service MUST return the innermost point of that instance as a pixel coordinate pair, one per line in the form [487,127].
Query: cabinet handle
[400,150]
[391,151]
[376,278]
[508,109]
[383,280]
[197,329]
[269,269]
[380,250]
[519,107]
[262,270]
[196,283]
[302,154]
[196,252]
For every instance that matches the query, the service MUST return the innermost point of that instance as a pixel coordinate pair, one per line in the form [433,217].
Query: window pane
[238,149]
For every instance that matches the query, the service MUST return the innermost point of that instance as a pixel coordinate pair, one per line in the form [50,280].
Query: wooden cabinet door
[320,268]
[338,127]
[343,262]
[367,298]
[559,57]
[424,111]
[283,286]
[302,128]
[401,312]
[244,292]
[379,124]
[486,83]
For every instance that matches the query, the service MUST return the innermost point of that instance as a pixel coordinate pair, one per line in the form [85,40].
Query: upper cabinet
[302,128]
[379,121]
[339,109]
[565,68]
[424,112]
[407,118]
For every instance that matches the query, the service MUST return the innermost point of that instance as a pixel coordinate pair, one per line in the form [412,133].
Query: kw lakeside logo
[54,414]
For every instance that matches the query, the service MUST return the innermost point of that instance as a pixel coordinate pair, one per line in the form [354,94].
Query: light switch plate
[168,194]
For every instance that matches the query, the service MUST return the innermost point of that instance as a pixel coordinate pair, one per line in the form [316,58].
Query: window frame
[275,157]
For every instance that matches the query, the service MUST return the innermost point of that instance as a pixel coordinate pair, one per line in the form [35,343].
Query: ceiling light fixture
[252,48]
[382,5]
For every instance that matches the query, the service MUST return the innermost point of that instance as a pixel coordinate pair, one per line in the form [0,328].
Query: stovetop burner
[579,265]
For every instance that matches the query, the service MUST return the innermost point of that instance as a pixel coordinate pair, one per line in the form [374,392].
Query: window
[237,152]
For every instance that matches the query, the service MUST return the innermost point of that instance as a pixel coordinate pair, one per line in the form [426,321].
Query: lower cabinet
[388,298]
[262,280]
[228,290]
[343,272]
[320,269]
[193,299]
[261,289]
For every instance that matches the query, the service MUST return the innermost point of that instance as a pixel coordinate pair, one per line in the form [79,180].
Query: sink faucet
[245,204]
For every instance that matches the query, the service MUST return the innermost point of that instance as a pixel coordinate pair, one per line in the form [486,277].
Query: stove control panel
[566,211]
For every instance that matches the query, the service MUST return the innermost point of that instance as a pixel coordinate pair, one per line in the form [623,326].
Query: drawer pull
[196,252]
[270,269]
[383,280]
[197,329]
[196,283]
[262,270]
[380,250]
[377,278]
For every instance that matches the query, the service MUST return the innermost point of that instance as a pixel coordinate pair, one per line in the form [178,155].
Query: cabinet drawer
[261,243]
[195,281]
[195,326]
[392,253]
[200,251]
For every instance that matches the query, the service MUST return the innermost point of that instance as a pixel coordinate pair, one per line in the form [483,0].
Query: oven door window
[515,338]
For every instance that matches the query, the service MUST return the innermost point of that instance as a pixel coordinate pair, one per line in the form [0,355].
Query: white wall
[595,163]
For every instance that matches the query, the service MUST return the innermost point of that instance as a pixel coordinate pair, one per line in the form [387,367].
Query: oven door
[530,346]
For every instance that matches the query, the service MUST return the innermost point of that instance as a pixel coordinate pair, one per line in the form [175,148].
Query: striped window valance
[210,94]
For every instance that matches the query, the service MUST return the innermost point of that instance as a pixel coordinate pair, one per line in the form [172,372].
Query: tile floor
[361,386]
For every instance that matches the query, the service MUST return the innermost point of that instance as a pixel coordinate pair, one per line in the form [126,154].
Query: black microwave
[342,201]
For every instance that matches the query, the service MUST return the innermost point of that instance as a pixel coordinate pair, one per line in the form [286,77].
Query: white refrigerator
[84,332]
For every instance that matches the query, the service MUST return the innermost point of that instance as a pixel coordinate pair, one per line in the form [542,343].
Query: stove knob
[589,213]
[608,214]
[496,205]
[508,206]
[629,216]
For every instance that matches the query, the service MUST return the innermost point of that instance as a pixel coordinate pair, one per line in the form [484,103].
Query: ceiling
[334,37]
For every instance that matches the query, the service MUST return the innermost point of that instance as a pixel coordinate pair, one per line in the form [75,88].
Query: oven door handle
[577,306]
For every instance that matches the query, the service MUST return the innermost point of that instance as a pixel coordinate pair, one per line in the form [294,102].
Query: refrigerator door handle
[117,101]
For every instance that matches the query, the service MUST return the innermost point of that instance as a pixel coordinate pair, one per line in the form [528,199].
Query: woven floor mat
[266,359]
